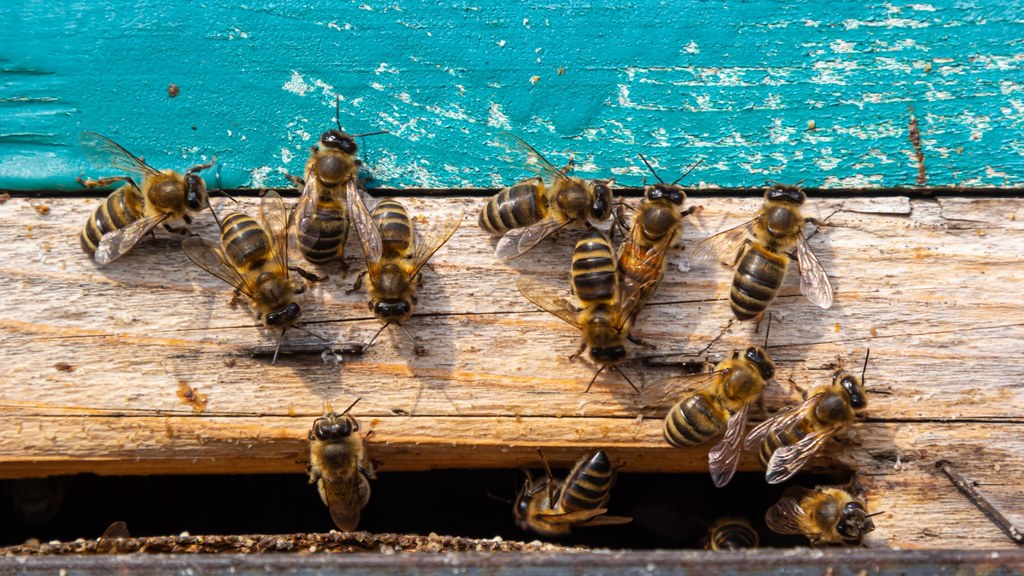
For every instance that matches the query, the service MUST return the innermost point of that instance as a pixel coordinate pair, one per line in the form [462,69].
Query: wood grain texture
[765,89]
[94,359]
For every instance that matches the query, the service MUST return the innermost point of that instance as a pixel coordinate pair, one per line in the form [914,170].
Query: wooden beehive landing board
[93,359]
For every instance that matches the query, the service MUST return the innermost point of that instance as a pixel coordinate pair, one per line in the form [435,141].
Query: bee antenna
[623,374]
[337,111]
[875,514]
[381,329]
[278,349]
[378,132]
[547,471]
[310,332]
[767,330]
[651,168]
[345,411]
[865,369]
[592,380]
[687,173]
[214,212]
[409,334]
[224,194]
[498,498]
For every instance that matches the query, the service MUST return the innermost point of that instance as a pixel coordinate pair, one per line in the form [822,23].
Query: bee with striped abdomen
[340,468]
[825,515]
[394,256]
[788,440]
[657,225]
[320,218]
[731,533]
[253,258]
[531,210]
[721,405]
[133,210]
[761,250]
[551,507]
[606,306]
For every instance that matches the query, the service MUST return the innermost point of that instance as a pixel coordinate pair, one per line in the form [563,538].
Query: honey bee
[731,533]
[656,227]
[253,258]
[552,508]
[762,246]
[722,404]
[393,256]
[132,211]
[339,467]
[606,306]
[530,211]
[788,440]
[320,218]
[825,515]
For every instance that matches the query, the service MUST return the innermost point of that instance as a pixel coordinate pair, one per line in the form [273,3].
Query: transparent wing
[344,501]
[593,517]
[814,283]
[304,213]
[274,217]
[211,258]
[631,296]
[723,458]
[777,422]
[432,241]
[117,243]
[605,521]
[362,221]
[726,245]
[534,161]
[678,388]
[543,296]
[104,152]
[519,241]
[784,516]
[788,460]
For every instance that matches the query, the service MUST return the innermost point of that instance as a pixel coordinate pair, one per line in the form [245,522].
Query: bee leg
[739,253]
[296,180]
[583,346]
[314,476]
[234,302]
[105,181]
[569,165]
[358,284]
[307,278]
[795,386]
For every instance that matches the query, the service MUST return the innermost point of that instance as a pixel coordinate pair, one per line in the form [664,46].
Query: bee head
[759,357]
[608,354]
[670,192]
[284,318]
[333,427]
[787,194]
[195,192]
[339,141]
[854,523]
[397,311]
[601,209]
[853,388]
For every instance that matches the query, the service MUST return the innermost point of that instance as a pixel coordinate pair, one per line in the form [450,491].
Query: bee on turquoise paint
[530,211]
[133,210]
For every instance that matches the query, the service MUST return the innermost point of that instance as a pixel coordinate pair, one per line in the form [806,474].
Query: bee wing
[605,520]
[592,517]
[725,244]
[303,215]
[519,241]
[432,241]
[784,516]
[788,460]
[814,283]
[723,458]
[534,161]
[631,296]
[211,258]
[117,243]
[366,228]
[104,152]
[777,422]
[542,296]
[680,387]
[345,503]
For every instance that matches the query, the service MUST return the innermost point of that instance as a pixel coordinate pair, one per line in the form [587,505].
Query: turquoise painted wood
[737,84]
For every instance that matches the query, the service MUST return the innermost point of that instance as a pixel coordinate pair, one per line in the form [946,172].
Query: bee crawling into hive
[825,515]
[340,467]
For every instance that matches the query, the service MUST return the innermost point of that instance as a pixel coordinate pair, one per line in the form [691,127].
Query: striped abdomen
[589,484]
[323,238]
[522,205]
[787,436]
[757,281]
[395,227]
[695,420]
[732,534]
[593,269]
[122,207]
[245,242]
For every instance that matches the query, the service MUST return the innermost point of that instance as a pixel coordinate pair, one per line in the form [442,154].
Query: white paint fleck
[779,133]
[385,67]
[812,23]
[334,26]
[526,22]
[841,47]
[229,133]
[855,181]
[922,7]
[496,118]
[366,7]
[377,86]
[691,48]
[826,161]
[889,22]
[404,97]
[258,176]
[297,85]
[286,155]
[501,43]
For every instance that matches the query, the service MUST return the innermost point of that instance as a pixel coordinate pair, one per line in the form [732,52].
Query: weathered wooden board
[93,359]
[825,91]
